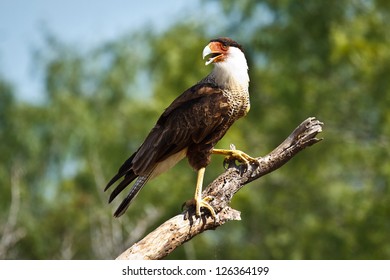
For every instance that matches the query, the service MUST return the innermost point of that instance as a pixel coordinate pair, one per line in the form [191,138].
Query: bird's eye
[224,48]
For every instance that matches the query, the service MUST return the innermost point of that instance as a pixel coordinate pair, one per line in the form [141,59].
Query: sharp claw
[243,157]
[204,203]
[237,155]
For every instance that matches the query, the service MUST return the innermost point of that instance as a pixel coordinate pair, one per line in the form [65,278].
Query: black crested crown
[226,41]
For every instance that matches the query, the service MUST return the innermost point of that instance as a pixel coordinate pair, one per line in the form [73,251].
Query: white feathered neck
[233,71]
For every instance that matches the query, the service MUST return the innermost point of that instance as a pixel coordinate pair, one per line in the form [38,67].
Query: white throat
[232,72]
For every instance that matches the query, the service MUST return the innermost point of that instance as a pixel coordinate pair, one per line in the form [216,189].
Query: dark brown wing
[191,118]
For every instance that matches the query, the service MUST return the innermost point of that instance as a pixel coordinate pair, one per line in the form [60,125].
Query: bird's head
[229,61]
[220,49]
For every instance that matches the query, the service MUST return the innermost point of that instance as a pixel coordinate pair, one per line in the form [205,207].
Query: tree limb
[177,230]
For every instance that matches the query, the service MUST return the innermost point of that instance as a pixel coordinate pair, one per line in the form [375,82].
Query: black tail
[125,171]
[141,181]
[130,177]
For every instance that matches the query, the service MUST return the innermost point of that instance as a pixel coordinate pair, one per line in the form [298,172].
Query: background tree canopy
[329,59]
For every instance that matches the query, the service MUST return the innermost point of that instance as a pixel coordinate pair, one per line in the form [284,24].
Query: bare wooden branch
[177,230]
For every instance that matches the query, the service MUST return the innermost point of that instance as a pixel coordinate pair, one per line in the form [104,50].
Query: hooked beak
[213,49]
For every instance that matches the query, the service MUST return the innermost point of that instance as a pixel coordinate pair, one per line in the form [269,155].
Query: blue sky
[81,22]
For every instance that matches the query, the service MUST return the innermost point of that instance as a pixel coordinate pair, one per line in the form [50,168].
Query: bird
[191,126]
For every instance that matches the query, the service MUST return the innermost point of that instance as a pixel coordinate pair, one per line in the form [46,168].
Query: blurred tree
[10,231]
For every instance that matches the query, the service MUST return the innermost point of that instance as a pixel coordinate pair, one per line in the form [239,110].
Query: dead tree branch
[177,230]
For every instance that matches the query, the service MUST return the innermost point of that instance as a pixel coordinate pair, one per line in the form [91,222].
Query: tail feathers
[123,184]
[125,169]
[113,180]
[141,181]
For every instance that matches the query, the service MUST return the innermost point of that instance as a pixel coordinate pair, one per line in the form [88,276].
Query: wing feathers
[189,119]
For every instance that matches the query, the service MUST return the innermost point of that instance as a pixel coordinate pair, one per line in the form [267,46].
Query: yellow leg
[199,202]
[236,154]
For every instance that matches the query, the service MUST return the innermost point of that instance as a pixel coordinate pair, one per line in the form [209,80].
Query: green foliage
[328,59]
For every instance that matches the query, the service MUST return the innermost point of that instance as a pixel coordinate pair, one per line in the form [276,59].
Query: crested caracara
[192,125]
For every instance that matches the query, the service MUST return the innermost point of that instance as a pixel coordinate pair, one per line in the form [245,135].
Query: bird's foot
[199,204]
[237,155]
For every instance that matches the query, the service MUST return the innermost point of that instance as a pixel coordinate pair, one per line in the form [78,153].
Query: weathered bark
[181,228]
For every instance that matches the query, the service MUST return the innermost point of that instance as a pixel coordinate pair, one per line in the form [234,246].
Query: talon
[236,154]
[188,204]
[243,157]
[198,201]
[199,204]
[205,204]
